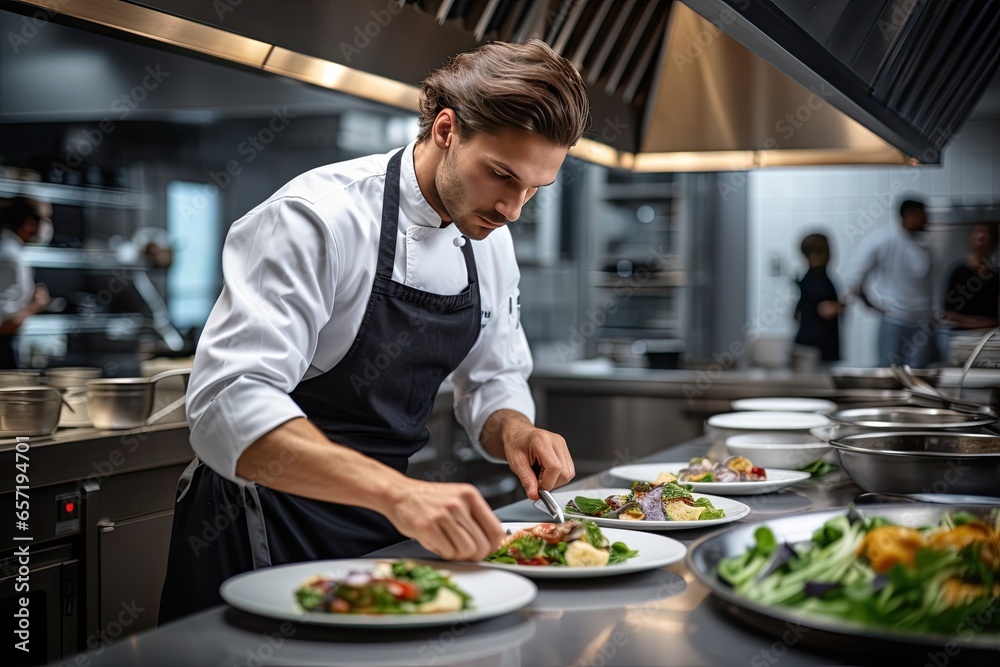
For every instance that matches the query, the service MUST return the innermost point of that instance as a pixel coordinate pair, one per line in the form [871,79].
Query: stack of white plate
[777,439]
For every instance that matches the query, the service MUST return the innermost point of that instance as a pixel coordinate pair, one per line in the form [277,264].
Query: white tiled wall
[787,204]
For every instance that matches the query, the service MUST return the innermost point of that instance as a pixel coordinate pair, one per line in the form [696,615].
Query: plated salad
[570,544]
[647,501]
[703,469]
[873,572]
[393,587]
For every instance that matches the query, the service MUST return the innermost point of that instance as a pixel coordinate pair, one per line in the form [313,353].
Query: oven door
[53,617]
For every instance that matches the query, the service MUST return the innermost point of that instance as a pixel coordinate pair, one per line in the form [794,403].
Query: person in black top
[818,310]
[973,292]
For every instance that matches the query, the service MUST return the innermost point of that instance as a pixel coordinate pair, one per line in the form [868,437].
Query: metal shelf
[659,280]
[77,195]
[47,257]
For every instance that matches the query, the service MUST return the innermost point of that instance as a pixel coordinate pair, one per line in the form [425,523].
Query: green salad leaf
[589,506]
[621,553]
[710,510]
[819,468]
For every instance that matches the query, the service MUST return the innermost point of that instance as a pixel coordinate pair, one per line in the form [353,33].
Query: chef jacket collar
[411,200]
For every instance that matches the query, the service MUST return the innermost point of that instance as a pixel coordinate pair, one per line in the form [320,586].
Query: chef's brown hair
[525,87]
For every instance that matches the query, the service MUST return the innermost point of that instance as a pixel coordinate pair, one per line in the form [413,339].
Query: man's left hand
[525,447]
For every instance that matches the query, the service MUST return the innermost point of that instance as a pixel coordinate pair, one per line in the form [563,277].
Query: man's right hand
[452,520]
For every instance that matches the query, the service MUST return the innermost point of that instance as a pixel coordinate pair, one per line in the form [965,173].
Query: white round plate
[784,405]
[768,421]
[654,551]
[777,478]
[271,592]
[734,511]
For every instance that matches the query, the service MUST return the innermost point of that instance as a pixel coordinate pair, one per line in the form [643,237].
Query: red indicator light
[70,507]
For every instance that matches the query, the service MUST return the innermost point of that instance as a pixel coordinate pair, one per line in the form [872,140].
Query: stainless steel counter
[654,618]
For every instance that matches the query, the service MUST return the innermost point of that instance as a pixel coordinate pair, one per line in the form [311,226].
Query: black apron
[376,400]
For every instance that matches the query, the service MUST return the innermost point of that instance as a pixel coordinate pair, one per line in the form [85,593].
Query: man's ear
[445,128]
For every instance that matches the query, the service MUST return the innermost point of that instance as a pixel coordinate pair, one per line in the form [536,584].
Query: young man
[818,310]
[898,259]
[350,294]
[22,220]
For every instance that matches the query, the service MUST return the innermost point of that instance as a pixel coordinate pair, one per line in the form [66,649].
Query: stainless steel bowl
[20,378]
[29,411]
[122,403]
[878,378]
[907,417]
[72,376]
[922,461]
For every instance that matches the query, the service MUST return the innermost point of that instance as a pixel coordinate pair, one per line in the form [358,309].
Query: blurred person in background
[818,310]
[22,220]
[972,293]
[897,259]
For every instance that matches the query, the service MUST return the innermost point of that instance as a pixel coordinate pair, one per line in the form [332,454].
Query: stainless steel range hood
[671,90]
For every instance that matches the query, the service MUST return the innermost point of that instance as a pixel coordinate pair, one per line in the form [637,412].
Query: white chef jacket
[298,272]
[900,269]
[17,282]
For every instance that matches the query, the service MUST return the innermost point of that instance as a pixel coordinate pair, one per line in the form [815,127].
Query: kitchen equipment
[27,411]
[72,381]
[121,403]
[908,417]
[777,404]
[921,388]
[815,630]
[922,461]
[878,378]
[788,451]
[552,506]
[722,426]
[20,378]
[70,377]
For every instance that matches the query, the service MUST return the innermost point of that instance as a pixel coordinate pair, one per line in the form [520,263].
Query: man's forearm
[498,424]
[298,458]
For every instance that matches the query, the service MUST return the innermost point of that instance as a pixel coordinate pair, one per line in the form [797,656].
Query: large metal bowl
[922,462]
[909,417]
[878,378]
[822,631]
[27,411]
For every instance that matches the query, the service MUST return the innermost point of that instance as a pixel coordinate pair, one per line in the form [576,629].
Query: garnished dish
[570,544]
[703,469]
[941,578]
[393,587]
[735,476]
[646,501]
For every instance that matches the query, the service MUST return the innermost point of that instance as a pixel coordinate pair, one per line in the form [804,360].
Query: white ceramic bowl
[779,404]
[780,450]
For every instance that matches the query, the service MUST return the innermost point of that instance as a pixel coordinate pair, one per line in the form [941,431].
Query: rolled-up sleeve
[279,268]
[494,376]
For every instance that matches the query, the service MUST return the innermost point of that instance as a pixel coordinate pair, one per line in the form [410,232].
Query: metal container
[29,411]
[878,378]
[122,403]
[72,376]
[20,378]
[922,461]
[907,417]
[825,632]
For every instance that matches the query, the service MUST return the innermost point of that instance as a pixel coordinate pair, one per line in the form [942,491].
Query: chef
[350,295]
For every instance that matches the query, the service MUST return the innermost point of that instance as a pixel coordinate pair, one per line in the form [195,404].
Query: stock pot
[122,403]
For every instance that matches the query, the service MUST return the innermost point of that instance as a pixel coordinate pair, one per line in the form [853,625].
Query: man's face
[915,220]
[484,180]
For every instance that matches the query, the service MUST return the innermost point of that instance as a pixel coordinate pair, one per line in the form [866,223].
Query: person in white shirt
[350,295]
[897,260]
[22,220]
